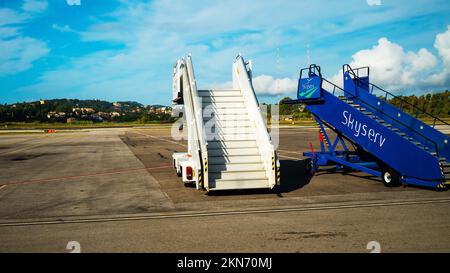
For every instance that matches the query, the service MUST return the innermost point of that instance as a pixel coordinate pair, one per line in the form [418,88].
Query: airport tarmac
[114,190]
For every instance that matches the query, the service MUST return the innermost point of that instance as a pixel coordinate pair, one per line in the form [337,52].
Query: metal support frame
[328,153]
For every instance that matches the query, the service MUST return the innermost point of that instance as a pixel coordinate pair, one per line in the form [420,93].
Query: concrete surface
[114,190]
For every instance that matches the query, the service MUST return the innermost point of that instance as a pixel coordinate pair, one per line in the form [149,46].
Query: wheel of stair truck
[347,169]
[309,166]
[390,177]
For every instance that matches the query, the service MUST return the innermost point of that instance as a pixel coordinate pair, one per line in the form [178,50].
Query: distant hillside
[68,110]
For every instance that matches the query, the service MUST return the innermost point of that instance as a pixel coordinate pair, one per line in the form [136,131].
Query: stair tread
[234,159]
[227,175]
[236,167]
[237,179]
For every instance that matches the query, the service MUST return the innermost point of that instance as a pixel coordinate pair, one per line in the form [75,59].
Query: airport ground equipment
[229,146]
[387,142]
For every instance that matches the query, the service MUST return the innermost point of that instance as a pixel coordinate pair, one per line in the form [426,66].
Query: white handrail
[199,143]
[242,81]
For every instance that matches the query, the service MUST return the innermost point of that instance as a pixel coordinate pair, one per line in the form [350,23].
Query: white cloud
[18,54]
[267,85]
[151,39]
[34,6]
[420,61]
[65,28]
[442,44]
[73,2]
[19,51]
[6,32]
[393,68]
[10,16]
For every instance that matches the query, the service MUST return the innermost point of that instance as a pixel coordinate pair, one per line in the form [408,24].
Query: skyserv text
[360,129]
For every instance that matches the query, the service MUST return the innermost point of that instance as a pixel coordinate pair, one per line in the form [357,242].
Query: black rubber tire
[308,166]
[390,177]
[346,169]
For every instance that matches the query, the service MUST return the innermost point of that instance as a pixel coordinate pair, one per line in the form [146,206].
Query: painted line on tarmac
[289,157]
[32,181]
[290,152]
[25,140]
[286,156]
[31,146]
[222,213]
[158,138]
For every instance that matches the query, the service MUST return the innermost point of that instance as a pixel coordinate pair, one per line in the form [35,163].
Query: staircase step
[234,159]
[228,130]
[226,175]
[232,144]
[233,152]
[231,167]
[221,184]
[222,99]
[220,93]
[225,111]
[225,117]
[233,137]
[226,104]
[226,123]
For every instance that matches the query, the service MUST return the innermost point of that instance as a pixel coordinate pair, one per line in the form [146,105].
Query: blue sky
[124,50]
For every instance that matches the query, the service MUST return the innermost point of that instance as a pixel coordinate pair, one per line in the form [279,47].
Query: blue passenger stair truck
[370,134]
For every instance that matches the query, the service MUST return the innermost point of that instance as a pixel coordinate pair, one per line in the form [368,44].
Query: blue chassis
[341,158]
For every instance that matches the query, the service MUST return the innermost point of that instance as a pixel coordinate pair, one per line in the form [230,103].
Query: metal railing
[336,89]
[194,118]
[242,76]
[385,95]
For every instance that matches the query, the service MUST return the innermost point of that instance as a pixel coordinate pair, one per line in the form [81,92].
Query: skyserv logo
[308,89]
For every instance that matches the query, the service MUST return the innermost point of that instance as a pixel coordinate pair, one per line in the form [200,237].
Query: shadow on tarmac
[293,177]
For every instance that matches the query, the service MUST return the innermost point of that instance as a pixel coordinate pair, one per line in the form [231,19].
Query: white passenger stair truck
[229,146]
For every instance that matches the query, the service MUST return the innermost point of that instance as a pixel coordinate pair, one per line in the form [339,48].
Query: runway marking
[222,213]
[31,146]
[25,140]
[22,149]
[290,157]
[158,138]
[289,152]
[84,175]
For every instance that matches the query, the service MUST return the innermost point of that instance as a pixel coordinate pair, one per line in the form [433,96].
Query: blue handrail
[371,86]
